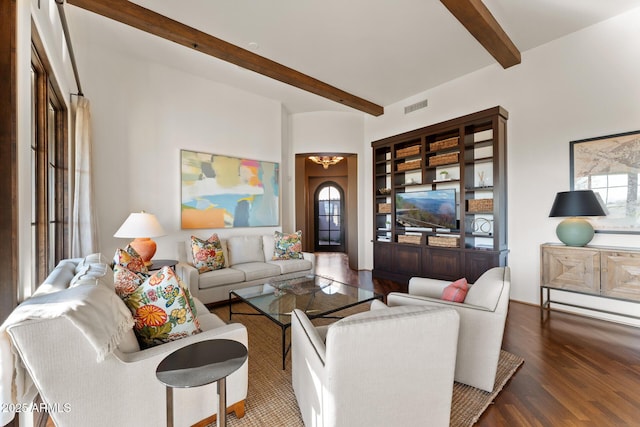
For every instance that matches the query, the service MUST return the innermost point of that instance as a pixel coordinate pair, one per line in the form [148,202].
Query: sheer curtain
[84,230]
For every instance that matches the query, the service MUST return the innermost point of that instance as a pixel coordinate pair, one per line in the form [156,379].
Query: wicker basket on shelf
[408,151]
[414,240]
[384,207]
[445,143]
[480,205]
[443,242]
[443,159]
[407,166]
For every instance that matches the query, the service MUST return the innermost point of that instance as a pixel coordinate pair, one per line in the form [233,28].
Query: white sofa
[388,367]
[248,262]
[482,320]
[122,389]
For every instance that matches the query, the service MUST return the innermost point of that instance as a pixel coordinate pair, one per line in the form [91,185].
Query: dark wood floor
[578,371]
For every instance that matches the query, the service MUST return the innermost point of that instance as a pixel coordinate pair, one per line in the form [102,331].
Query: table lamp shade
[141,226]
[575,231]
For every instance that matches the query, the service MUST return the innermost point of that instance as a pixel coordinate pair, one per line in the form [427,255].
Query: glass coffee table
[317,296]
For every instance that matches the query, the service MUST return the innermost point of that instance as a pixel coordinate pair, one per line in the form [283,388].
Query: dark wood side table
[199,364]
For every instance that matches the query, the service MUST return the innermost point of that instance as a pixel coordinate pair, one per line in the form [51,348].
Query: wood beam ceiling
[477,19]
[151,22]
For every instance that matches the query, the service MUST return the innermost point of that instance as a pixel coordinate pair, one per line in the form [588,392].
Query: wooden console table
[608,272]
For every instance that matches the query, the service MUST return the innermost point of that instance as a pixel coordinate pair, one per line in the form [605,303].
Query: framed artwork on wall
[226,192]
[610,166]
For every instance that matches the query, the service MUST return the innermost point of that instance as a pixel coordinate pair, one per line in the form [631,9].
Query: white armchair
[482,319]
[379,368]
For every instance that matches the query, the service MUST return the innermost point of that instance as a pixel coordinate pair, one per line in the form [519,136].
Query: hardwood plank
[154,23]
[479,21]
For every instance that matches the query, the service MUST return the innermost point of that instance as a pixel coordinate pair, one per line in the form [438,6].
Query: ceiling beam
[477,19]
[151,22]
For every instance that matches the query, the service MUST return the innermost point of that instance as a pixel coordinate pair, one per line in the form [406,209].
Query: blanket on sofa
[96,310]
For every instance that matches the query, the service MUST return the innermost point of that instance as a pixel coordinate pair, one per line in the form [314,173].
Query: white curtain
[84,230]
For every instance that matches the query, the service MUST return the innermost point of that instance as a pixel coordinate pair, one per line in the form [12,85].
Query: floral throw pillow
[456,292]
[129,258]
[207,254]
[288,245]
[163,309]
[127,281]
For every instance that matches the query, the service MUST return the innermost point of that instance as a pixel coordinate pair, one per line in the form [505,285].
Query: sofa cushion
[163,309]
[58,279]
[485,292]
[292,265]
[456,291]
[207,254]
[287,245]
[257,270]
[224,276]
[129,258]
[243,249]
[91,259]
[127,281]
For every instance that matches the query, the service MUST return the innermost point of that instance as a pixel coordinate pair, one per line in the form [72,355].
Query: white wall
[143,114]
[336,132]
[583,85]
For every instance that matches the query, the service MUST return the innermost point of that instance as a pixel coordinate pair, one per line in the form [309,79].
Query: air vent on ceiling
[413,107]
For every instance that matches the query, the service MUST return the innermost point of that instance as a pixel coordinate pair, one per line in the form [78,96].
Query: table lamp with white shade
[141,226]
[575,231]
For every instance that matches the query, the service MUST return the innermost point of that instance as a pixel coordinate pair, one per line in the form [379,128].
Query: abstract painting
[227,192]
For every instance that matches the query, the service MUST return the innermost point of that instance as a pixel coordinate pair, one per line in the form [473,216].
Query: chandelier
[325,161]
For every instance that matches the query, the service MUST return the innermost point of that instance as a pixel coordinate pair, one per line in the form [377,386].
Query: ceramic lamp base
[575,232]
[145,247]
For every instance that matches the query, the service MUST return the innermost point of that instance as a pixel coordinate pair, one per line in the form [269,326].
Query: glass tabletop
[316,295]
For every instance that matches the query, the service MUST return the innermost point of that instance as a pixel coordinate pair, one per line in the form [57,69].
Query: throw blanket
[95,309]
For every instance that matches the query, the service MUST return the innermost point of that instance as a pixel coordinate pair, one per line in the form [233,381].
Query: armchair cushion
[128,257]
[456,291]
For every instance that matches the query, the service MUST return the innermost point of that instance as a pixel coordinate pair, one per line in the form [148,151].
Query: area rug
[270,398]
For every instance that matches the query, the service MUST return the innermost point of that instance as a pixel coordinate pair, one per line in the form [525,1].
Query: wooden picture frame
[610,166]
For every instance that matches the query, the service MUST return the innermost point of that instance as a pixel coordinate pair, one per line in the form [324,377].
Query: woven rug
[270,398]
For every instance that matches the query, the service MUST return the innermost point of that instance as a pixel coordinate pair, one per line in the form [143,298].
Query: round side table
[199,364]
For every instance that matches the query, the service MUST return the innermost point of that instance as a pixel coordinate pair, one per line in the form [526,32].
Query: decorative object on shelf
[326,161]
[443,159]
[384,208]
[408,151]
[444,175]
[612,163]
[480,205]
[481,225]
[141,226]
[445,143]
[443,242]
[575,231]
[410,165]
[406,238]
[228,192]
[384,191]
[481,179]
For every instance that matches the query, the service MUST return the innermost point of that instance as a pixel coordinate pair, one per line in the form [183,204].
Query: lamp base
[575,232]
[145,247]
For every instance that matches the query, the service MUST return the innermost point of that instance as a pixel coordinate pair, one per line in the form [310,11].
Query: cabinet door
[621,274]
[576,269]
[477,262]
[407,260]
[444,264]
[382,257]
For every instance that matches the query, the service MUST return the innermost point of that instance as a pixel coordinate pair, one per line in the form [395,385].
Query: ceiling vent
[417,106]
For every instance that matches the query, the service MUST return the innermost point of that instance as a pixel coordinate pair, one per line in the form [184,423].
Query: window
[329,208]
[49,175]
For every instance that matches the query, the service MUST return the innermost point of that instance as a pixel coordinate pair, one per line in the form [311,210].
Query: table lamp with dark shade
[575,231]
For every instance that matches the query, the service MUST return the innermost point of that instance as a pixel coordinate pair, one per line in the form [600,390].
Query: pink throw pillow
[456,292]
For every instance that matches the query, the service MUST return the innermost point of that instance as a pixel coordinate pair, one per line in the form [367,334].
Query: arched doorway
[329,218]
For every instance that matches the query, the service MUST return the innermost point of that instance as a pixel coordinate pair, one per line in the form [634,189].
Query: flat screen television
[427,209]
